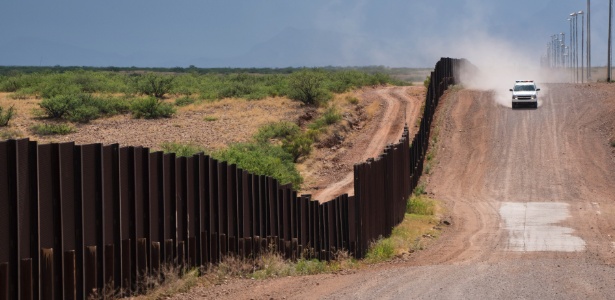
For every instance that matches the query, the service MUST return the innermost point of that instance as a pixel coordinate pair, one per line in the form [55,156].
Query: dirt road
[531,196]
[401,105]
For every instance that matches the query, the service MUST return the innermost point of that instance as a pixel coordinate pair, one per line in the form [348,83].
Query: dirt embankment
[384,112]
[491,158]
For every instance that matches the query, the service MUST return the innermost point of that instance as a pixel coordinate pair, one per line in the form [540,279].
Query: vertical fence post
[4,281]
[156,212]
[8,247]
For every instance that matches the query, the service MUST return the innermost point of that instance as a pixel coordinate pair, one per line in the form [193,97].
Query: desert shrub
[210,118]
[51,129]
[419,190]
[111,106]
[310,266]
[183,101]
[151,108]
[152,84]
[427,81]
[58,106]
[279,130]
[24,93]
[420,205]
[53,88]
[298,145]
[262,159]
[329,117]
[6,115]
[6,134]
[380,250]
[292,140]
[307,86]
[184,150]
[379,79]
[352,100]
[83,114]
[257,95]
[82,107]
[208,95]
[10,84]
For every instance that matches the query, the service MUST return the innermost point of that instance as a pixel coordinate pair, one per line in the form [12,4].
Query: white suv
[524,93]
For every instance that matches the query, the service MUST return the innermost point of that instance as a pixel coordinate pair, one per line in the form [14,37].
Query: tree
[307,86]
[154,84]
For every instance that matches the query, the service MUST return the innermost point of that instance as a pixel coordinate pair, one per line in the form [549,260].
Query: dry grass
[372,110]
[170,282]
[414,233]
[10,133]
[255,110]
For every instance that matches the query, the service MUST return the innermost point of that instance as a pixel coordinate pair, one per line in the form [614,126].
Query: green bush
[7,134]
[420,205]
[278,130]
[298,145]
[111,106]
[82,107]
[329,117]
[184,150]
[6,116]
[380,250]
[53,89]
[352,100]
[23,94]
[310,266]
[183,101]
[308,87]
[293,141]
[83,114]
[58,106]
[10,84]
[419,190]
[151,108]
[51,129]
[152,84]
[427,81]
[262,159]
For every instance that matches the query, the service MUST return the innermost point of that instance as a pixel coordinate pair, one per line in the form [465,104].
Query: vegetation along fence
[81,219]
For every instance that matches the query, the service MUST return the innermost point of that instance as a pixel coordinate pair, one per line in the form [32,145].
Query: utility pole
[608,68]
[589,42]
[570,52]
[582,45]
[562,44]
[576,49]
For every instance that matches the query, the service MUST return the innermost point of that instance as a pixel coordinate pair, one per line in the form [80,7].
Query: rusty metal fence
[80,220]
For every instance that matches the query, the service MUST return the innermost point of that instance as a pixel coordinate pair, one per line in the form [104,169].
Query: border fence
[78,220]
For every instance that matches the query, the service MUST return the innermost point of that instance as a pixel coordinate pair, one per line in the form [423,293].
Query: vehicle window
[522,88]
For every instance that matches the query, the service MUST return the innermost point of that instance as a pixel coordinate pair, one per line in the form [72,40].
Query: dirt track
[401,105]
[491,158]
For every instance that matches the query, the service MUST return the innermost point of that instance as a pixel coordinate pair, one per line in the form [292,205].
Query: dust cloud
[499,64]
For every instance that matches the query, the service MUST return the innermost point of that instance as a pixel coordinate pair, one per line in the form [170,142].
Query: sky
[283,33]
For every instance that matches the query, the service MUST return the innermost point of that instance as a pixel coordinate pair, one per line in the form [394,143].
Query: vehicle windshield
[524,87]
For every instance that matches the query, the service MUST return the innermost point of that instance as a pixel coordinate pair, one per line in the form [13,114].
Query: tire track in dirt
[400,106]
